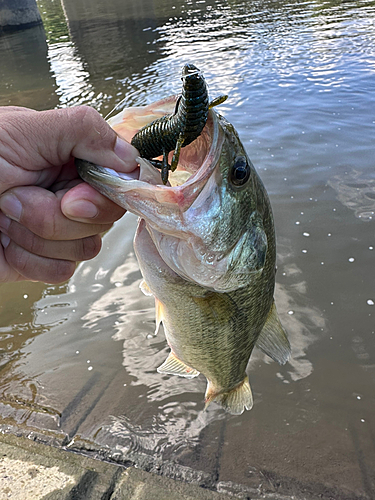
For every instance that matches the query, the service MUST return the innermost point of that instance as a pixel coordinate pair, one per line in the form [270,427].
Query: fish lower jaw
[126,176]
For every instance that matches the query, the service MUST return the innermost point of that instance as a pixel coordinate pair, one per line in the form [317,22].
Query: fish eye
[240,171]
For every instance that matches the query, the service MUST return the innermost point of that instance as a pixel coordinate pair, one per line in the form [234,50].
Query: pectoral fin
[159,314]
[145,288]
[273,340]
[173,366]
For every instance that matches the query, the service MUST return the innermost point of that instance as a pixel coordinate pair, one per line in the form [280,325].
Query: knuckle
[59,271]
[43,222]
[18,258]
[48,226]
[7,272]
[34,244]
[28,240]
[83,119]
[83,114]
[89,247]
[89,122]
[40,268]
[31,242]
[47,229]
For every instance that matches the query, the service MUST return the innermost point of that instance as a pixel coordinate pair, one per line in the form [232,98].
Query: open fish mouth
[196,222]
[196,163]
[206,248]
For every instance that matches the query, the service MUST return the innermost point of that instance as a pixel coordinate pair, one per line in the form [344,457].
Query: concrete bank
[33,471]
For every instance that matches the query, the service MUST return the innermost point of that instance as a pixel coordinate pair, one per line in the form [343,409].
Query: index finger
[38,140]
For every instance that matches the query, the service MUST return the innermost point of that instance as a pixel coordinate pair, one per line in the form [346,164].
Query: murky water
[80,359]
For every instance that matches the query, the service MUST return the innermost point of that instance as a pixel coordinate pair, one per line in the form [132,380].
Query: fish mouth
[131,190]
[186,219]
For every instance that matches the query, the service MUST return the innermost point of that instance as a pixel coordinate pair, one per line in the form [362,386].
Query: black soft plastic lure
[172,132]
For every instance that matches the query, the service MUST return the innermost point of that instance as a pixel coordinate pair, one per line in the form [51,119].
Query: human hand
[49,218]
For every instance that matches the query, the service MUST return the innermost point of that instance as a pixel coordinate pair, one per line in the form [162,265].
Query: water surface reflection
[80,360]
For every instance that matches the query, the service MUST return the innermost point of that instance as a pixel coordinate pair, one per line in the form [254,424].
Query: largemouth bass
[206,249]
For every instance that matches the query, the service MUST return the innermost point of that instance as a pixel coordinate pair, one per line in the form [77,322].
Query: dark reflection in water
[115,40]
[80,360]
[25,78]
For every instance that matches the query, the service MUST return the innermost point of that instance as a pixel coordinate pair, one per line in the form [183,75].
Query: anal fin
[273,340]
[173,366]
[235,401]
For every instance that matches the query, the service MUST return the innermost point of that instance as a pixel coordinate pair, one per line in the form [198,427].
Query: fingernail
[81,209]
[5,240]
[11,206]
[4,222]
[126,152]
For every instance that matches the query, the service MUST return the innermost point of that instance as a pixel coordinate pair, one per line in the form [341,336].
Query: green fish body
[206,248]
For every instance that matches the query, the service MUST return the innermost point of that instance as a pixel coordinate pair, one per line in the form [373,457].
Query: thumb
[39,140]
[92,139]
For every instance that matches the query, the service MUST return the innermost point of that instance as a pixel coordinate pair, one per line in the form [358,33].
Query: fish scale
[207,252]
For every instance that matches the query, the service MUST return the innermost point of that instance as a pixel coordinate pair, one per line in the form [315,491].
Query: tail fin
[235,401]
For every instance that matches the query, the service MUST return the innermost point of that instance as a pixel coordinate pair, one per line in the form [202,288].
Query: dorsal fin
[273,340]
